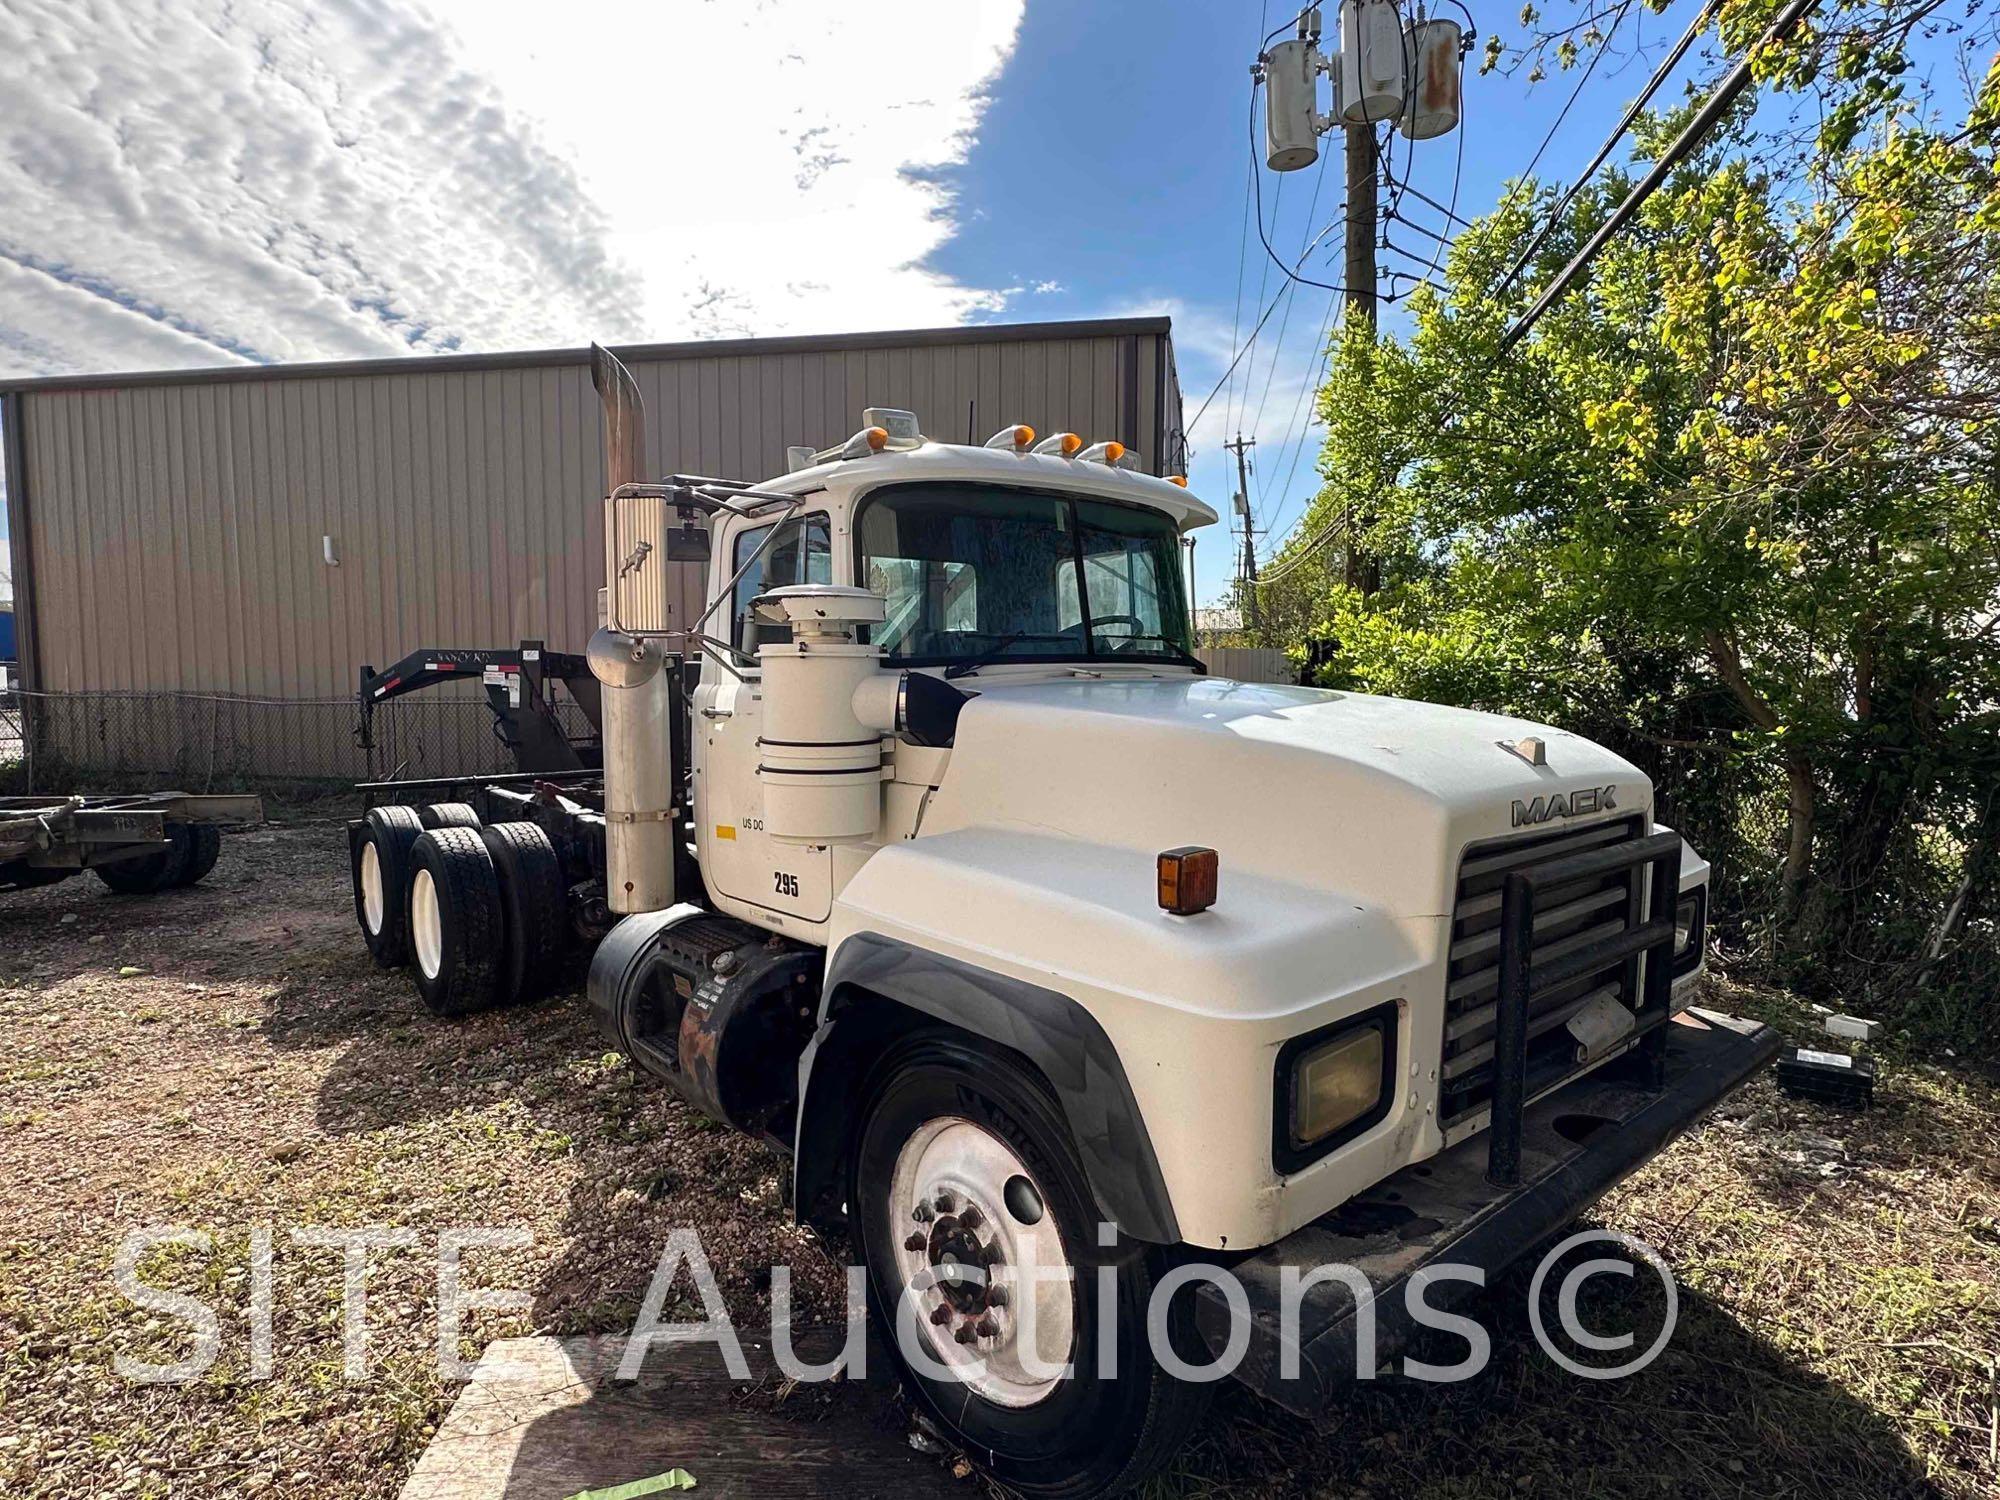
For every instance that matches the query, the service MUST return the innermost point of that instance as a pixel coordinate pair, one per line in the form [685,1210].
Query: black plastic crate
[1831,1077]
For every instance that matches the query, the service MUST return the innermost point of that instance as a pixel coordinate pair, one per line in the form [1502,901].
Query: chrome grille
[1567,919]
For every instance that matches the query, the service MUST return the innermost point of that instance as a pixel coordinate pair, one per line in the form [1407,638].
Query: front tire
[953,1125]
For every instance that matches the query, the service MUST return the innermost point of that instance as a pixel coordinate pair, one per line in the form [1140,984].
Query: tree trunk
[1979,851]
[1799,842]
[1728,663]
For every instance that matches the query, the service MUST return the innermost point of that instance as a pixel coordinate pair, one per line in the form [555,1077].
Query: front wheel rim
[981,1263]
[426,924]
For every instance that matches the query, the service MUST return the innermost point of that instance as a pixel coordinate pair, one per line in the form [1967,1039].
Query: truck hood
[1335,791]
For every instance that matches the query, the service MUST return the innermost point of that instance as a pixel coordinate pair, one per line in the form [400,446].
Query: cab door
[748,873]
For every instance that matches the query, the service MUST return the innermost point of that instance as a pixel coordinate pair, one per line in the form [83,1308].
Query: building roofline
[430,364]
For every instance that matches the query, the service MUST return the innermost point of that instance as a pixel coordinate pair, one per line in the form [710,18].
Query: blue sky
[194,182]
[1113,157]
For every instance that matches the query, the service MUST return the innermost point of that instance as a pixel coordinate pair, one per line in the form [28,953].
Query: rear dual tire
[191,852]
[479,914]
[455,924]
[534,909]
[380,849]
[448,815]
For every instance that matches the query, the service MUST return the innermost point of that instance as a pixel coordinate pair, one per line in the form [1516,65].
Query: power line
[1691,135]
[1596,57]
[1242,259]
[1449,213]
[1278,346]
[1311,388]
[1724,95]
[1248,343]
[1673,58]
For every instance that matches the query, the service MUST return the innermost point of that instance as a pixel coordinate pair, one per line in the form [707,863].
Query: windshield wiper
[1180,652]
[993,653]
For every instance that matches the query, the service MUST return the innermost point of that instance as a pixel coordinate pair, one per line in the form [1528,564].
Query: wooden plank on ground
[545,1418]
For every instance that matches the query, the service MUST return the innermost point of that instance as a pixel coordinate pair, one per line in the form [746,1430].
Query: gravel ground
[226,1058]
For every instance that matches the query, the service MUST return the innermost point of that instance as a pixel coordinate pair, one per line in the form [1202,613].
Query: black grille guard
[1522,979]
[1575,1144]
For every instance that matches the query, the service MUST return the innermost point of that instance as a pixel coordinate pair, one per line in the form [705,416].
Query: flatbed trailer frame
[50,837]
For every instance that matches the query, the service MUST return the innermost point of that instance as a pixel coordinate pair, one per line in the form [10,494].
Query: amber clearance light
[1188,880]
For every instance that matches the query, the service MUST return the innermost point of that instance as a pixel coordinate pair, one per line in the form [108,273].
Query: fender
[1054,1033]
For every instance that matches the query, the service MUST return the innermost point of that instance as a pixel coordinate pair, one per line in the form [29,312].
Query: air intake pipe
[827,706]
[820,766]
[641,815]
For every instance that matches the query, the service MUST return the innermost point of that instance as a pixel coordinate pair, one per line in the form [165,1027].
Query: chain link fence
[208,741]
[11,745]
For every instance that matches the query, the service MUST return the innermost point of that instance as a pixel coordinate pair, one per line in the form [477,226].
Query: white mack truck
[930,854]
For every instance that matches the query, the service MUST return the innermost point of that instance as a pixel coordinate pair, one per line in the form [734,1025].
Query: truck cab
[984,559]
[1100,1005]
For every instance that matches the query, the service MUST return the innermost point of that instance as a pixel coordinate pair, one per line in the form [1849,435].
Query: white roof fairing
[941,462]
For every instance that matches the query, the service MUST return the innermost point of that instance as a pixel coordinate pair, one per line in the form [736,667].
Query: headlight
[1332,1085]
[1336,1085]
[1690,920]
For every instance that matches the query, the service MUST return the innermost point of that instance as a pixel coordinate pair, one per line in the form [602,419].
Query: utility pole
[1386,71]
[1362,188]
[1362,191]
[1241,448]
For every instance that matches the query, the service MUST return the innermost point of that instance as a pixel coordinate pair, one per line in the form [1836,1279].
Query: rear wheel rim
[372,904]
[426,924]
[963,1253]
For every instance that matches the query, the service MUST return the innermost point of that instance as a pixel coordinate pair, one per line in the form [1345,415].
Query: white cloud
[773,168]
[191,181]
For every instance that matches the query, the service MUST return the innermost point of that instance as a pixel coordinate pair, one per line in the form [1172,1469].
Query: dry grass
[1839,1314]
[1838,1272]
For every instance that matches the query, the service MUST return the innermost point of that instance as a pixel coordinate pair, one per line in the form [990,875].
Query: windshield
[973,570]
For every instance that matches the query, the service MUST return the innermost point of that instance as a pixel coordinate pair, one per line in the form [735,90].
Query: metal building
[262,531]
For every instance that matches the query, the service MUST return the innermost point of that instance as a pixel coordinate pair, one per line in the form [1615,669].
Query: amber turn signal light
[1188,879]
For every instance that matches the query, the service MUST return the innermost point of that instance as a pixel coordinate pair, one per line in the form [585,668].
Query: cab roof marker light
[1060,445]
[868,440]
[1113,453]
[1179,479]
[1016,438]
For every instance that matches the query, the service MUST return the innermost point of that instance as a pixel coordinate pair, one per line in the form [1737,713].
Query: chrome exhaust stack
[641,813]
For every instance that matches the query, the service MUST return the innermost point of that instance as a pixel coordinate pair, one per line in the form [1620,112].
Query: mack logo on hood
[1587,799]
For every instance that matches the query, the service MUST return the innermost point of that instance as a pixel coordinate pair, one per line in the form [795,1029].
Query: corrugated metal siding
[175,529]
[1248,663]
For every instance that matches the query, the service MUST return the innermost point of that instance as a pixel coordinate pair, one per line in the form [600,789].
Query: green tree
[1735,502]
